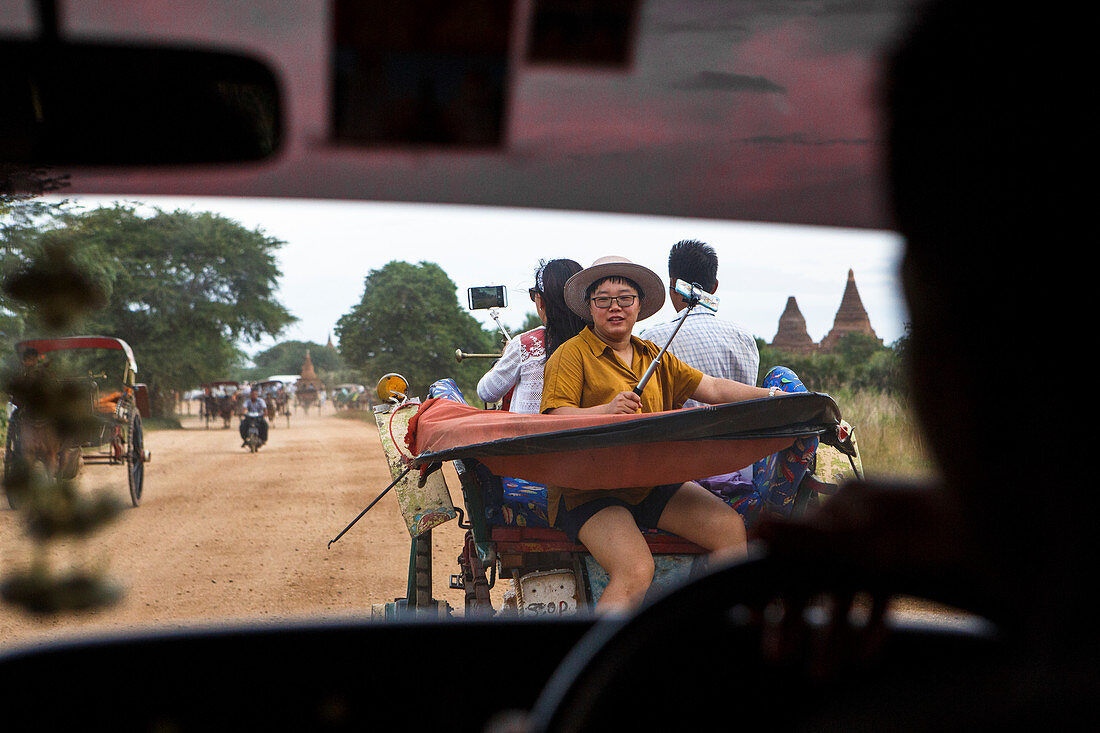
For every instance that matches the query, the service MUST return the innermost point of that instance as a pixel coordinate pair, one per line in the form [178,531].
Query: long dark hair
[562,323]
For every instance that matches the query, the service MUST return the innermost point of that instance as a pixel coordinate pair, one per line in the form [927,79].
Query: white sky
[332,245]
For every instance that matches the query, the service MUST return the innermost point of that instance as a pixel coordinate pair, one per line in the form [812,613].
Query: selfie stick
[694,295]
[496,317]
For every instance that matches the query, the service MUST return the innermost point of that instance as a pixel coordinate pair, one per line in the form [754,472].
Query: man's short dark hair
[695,262]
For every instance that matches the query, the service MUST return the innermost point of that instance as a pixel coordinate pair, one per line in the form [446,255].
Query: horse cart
[349,397]
[221,400]
[797,449]
[305,397]
[277,397]
[97,374]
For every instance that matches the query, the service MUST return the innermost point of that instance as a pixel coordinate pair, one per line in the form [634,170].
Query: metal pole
[369,506]
[495,313]
[692,302]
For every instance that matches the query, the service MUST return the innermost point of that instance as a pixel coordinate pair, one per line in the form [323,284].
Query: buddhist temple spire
[851,317]
[309,374]
[792,336]
[307,367]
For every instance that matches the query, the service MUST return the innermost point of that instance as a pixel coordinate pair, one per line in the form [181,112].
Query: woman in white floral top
[516,377]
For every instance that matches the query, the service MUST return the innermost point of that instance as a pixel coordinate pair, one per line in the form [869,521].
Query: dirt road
[223,534]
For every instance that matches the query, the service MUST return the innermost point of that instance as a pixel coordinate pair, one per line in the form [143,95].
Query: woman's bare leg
[701,517]
[616,543]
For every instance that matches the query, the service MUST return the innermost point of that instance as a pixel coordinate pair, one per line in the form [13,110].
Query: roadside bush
[859,363]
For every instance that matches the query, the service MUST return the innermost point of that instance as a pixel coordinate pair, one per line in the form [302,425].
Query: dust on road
[224,535]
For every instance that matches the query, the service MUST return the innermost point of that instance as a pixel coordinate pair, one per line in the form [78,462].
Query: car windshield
[347,257]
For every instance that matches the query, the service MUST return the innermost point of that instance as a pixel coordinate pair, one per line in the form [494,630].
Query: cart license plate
[548,593]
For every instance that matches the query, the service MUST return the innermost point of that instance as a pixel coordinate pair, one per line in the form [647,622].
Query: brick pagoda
[792,336]
[851,317]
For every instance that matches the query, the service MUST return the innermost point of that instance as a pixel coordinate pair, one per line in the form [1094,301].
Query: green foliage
[181,288]
[532,321]
[858,363]
[287,357]
[20,221]
[409,321]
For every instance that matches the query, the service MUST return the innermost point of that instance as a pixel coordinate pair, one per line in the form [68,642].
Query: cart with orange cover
[102,371]
[798,449]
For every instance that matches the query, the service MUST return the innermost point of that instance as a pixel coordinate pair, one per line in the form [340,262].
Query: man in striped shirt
[714,346]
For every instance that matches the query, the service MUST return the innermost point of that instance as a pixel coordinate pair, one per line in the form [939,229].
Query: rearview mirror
[83,104]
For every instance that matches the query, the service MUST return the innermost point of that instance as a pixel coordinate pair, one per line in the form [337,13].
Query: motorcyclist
[254,409]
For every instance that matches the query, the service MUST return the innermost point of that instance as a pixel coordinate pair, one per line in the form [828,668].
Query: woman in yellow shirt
[596,371]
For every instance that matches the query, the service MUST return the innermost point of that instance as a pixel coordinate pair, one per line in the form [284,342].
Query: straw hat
[614,266]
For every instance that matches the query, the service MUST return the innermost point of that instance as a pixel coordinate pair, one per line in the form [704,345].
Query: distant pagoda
[309,375]
[851,317]
[792,336]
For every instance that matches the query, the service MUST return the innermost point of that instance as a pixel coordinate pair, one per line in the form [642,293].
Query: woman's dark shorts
[646,513]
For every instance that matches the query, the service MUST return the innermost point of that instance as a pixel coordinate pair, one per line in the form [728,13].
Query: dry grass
[889,440]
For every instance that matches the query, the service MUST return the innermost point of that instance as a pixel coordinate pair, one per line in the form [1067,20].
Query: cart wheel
[135,459]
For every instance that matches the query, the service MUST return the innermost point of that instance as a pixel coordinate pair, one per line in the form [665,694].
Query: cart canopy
[269,383]
[65,343]
[613,451]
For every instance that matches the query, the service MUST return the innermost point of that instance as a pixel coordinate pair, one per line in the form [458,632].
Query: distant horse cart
[277,397]
[220,401]
[105,426]
[305,397]
[349,397]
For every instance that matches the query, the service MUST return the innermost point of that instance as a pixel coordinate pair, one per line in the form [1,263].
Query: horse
[209,406]
[226,408]
[282,402]
[39,442]
[305,398]
[276,401]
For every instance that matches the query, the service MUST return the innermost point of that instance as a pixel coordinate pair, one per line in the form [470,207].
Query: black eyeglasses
[604,301]
[532,292]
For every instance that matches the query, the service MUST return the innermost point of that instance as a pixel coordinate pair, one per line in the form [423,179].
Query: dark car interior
[561,104]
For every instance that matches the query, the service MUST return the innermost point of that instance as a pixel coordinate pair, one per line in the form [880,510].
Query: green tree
[857,348]
[287,357]
[409,321]
[532,321]
[182,288]
[859,363]
[21,218]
